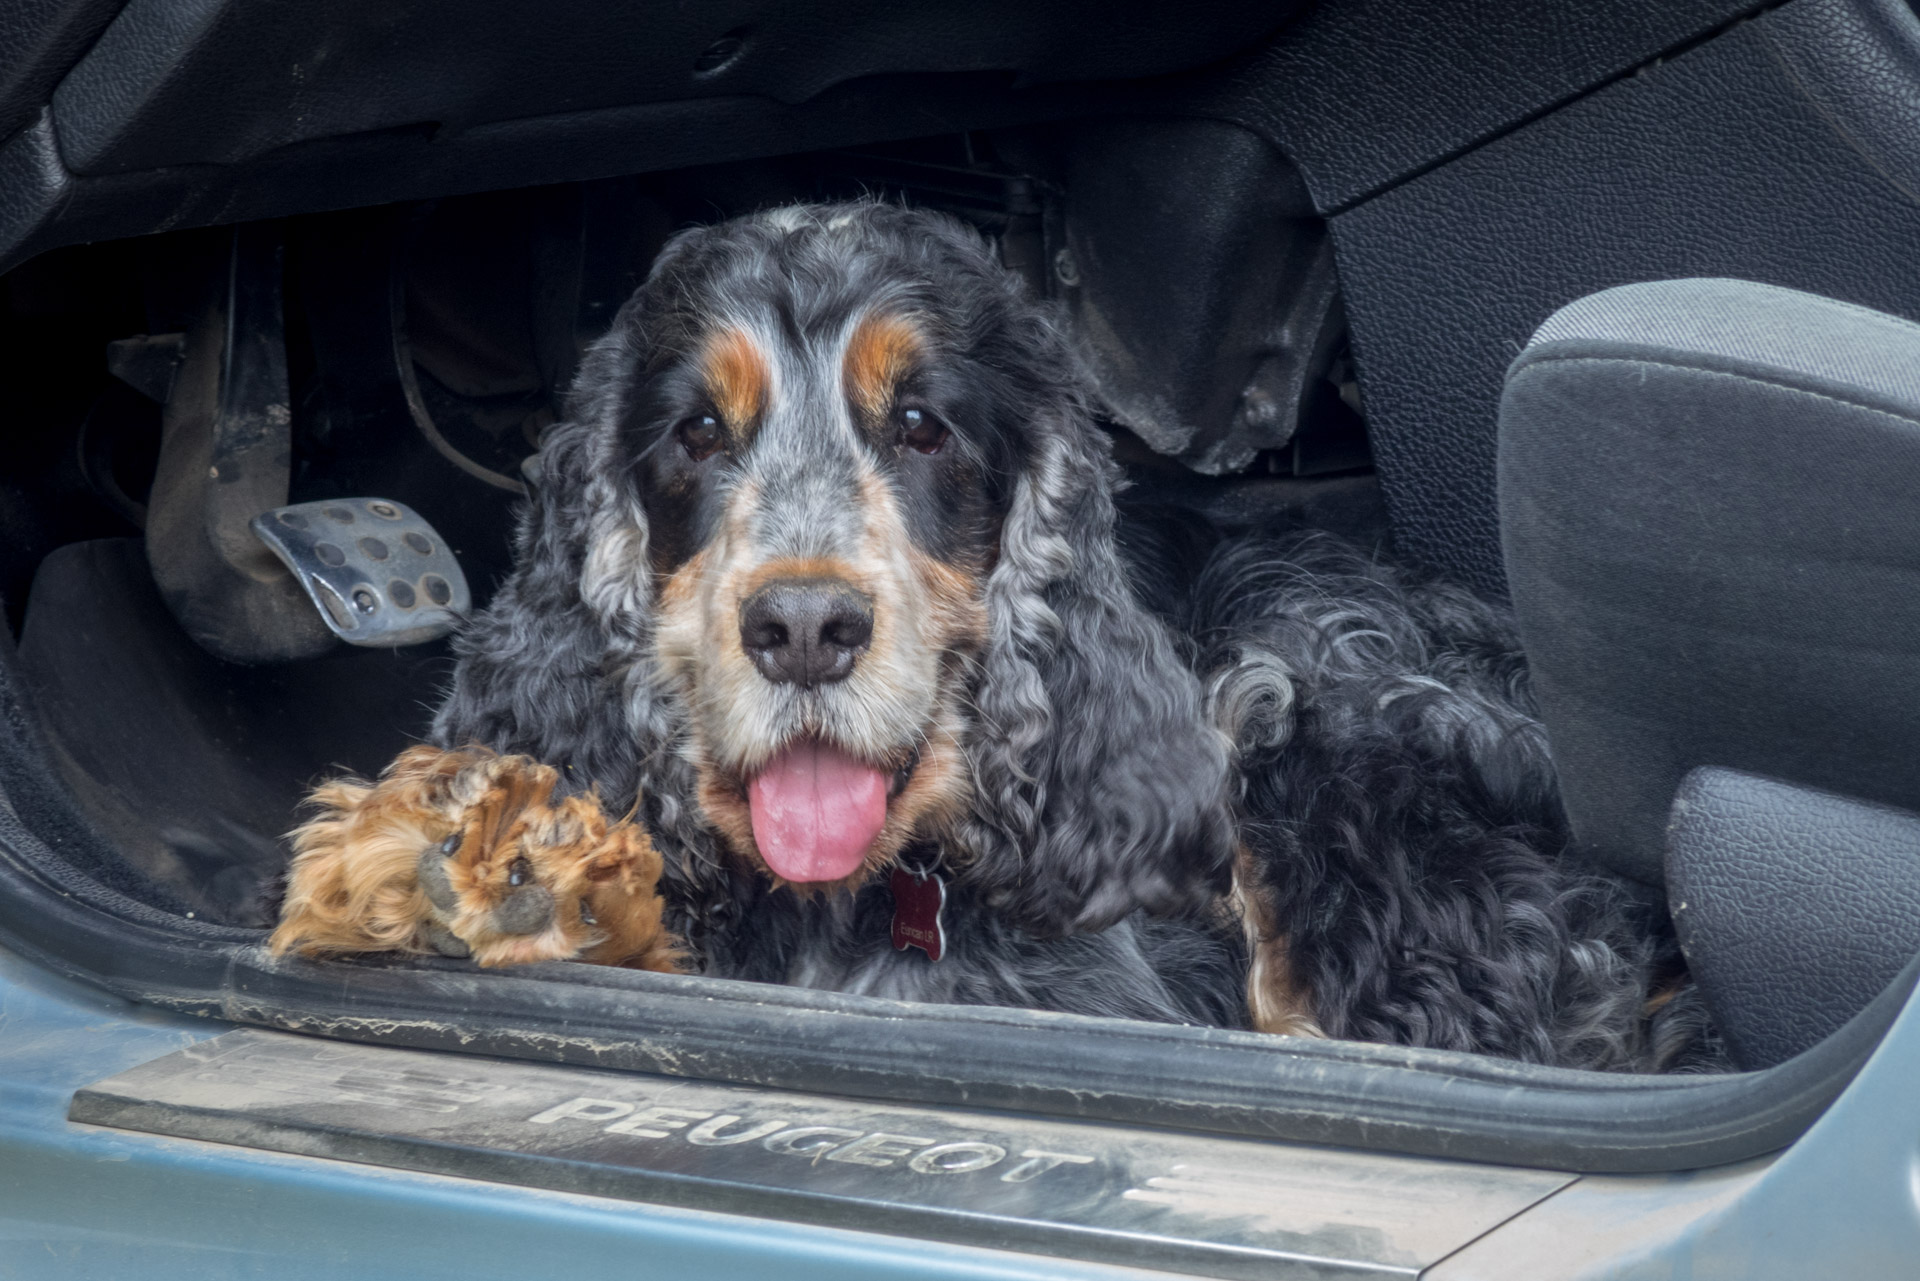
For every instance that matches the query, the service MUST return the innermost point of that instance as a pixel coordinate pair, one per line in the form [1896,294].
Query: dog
[819,591]
[818,583]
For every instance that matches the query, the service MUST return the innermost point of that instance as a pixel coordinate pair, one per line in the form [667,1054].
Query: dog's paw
[469,853]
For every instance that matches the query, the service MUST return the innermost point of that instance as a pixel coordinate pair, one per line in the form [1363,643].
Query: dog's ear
[533,668]
[557,666]
[1100,786]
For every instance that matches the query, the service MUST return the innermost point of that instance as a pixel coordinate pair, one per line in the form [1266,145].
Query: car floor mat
[192,768]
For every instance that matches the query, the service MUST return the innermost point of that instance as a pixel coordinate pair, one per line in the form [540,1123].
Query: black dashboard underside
[224,82]
[123,119]
[214,111]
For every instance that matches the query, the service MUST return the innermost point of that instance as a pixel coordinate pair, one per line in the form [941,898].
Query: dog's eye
[922,431]
[700,436]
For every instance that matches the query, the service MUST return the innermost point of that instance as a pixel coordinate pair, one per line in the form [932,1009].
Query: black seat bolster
[1795,907]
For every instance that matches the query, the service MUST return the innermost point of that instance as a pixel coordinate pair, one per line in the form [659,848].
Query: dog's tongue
[816,811]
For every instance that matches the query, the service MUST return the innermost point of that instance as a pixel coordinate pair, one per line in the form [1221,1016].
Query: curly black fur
[1400,804]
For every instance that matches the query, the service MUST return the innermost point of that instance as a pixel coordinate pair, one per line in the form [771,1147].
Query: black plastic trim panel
[42,39]
[1363,94]
[1784,151]
[44,206]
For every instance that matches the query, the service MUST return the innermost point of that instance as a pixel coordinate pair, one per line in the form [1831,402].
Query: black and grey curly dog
[821,575]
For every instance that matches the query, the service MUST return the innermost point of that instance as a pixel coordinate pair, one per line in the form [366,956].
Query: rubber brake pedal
[379,574]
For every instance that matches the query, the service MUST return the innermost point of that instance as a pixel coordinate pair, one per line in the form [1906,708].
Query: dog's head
[831,481]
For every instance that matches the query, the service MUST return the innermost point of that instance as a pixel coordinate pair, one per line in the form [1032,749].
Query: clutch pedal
[379,574]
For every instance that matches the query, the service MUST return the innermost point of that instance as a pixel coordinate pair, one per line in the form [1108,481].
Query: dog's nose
[806,632]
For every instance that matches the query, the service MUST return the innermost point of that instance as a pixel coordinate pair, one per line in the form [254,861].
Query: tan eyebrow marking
[737,377]
[882,351]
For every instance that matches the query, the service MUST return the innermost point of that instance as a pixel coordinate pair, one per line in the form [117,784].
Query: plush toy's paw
[469,853]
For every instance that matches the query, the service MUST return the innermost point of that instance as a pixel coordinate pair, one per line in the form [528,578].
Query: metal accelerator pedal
[379,574]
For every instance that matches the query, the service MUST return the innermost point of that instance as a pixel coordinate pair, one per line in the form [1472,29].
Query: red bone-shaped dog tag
[917,904]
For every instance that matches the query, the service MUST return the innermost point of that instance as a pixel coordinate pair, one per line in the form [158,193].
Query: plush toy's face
[824,472]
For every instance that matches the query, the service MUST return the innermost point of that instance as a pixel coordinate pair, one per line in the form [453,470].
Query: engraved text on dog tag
[917,904]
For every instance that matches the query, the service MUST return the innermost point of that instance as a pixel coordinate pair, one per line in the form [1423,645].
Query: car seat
[1710,504]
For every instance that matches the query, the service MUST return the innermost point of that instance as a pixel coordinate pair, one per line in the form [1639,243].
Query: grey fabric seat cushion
[1710,506]
[1795,907]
